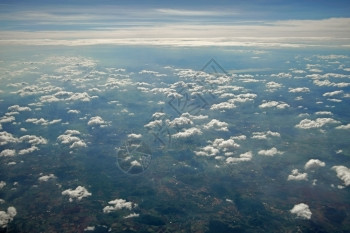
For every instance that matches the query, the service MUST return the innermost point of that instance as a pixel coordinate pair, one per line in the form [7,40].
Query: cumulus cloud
[274,104]
[97,121]
[333,93]
[242,158]
[270,152]
[223,105]
[118,204]
[301,211]
[314,163]
[79,193]
[299,89]
[180,122]
[132,215]
[135,136]
[187,133]
[17,108]
[216,125]
[42,121]
[343,126]
[264,135]
[272,86]
[343,173]
[225,145]
[70,137]
[7,153]
[296,175]
[47,177]
[34,140]
[2,184]
[28,150]
[7,119]
[6,138]
[324,113]
[7,217]
[73,111]
[318,123]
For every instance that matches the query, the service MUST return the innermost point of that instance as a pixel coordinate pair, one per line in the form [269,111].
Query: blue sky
[174,23]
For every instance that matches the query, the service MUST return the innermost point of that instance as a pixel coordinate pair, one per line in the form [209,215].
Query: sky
[180,23]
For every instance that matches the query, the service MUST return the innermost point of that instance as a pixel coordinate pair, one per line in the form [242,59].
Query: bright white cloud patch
[118,204]
[6,138]
[2,184]
[6,217]
[343,173]
[314,163]
[299,89]
[187,133]
[135,136]
[7,153]
[47,177]
[318,123]
[28,150]
[216,125]
[301,211]
[271,152]
[343,126]
[17,108]
[42,121]
[242,158]
[70,138]
[274,104]
[79,193]
[97,121]
[264,135]
[296,175]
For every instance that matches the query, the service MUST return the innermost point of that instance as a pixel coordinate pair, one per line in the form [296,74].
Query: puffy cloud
[296,175]
[132,215]
[223,105]
[314,163]
[270,152]
[272,104]
[343,126]
[28,150]
[73,111]
[333,93]
[17,108]
[301,211]
[242,158]
[225,144]
[343,173]
[324,113]
[118,204]
[217,125]
[299,89]
[327,83]
[318,123]
[7,153]
[69,137]
[79,193]
[6,138]
[264,135]
[180,122]
[282,75]
[2,184]
[97,120]
[42,121]
[135,136]
[34,140]
[272,86]
[47,177]
[7,119]
[187,133]
[6,217]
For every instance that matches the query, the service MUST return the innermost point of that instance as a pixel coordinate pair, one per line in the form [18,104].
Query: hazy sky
[195,23]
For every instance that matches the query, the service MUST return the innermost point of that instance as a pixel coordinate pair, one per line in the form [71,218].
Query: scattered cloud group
[6,217]
[318,123]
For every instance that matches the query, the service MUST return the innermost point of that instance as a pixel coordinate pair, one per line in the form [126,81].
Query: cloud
[118,204]
[47,177]
[69,137]
[242,158]
[180,122]
[272,86]
[7,119]
[225,145]
[73,111]
[6,138]
[271,152]
[301,211]
[7,153]
[296,175]
[343,173]
[97,121]
[343,126]
[34,140]
[42,121]
[314,163]
[187,133]
[28,150]
[264,135]
[2,184]
[135,136]
[333,93]
[271,104]
[17,108]
[318,123]
[207,151]
[216,125]
[223,105]
[79,193]
[299,89]
[324,113]
[6,217]
[132,215]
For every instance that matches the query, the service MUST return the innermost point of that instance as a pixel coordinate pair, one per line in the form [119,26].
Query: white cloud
[70,137]
[47,177]
[207,151]
[187,133]
[271,104]
[318,123]
[242,158]
[301,211]
[34,140]
[217,125]
[132,215]
[7,153]
[79,193]
[6,138]
[135,136]
[223,105]
[181,121]
[42,121]
[17,108]
[28,150]
[6,217]
[343,126]
[264,135]
[272,86]
[7,119]
[299,89]
[73,111]
[97,120]
[324,113]
[225,145]
[314,163]
[296,175]
[2,184]
[270,152]
[333,93]
[118,204]
[343,173]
